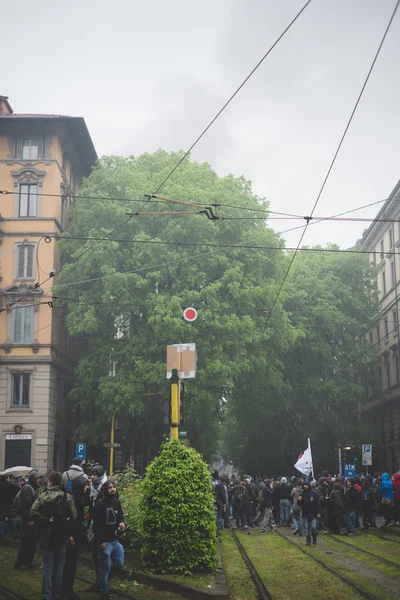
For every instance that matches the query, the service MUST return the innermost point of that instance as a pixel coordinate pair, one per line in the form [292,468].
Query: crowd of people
[325,504]
[52,511]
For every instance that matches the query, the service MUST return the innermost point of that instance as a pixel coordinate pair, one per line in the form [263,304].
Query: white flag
[304,462]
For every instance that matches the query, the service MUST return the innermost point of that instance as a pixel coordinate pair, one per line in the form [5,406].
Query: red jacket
[396,485]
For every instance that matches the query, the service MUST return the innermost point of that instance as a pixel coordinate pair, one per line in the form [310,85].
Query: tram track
[367,552]
[7,593]
[376,533]
[363,592]
[262,591]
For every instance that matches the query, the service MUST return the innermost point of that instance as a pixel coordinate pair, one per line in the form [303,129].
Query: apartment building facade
[382,240]
[42,160]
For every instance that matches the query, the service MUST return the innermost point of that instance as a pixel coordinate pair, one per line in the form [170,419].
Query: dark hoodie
[106,518]
[309,502]
[8,491]
[267,494]
[352,498]
[396,485]
[29,493]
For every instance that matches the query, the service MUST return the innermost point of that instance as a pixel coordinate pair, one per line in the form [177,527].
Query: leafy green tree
[126,299]
[177,522]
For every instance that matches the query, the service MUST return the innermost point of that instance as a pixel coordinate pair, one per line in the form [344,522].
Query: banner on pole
[304,462]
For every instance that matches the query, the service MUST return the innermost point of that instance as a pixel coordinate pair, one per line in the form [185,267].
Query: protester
[239,504]
[54,510]
[296,512]
[108,517]
[98,478]
[260,503]
[75,470]
[396,508]
[323,497]
[251,496]
[368,504]
[267,524]
[284,496]
[386,490]
[310,512]
[8,491]
[352,506]
[27,496]
[80,485]
[219,498]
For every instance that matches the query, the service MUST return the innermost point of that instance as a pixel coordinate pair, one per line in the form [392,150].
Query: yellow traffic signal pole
[175,393]
[112,447]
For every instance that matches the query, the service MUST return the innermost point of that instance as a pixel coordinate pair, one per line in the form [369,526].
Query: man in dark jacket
[251,496]
[310,512]
[27,546]
[8,491]
[239,503]
[93,495]
[352,505]
[54,511]
[107,518]
[80,485]
[268,503]
[284,493]
[219,499]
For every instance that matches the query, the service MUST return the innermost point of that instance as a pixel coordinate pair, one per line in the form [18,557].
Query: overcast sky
[152,74]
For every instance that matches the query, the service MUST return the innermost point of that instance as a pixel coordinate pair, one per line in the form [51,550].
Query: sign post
[181,364]
[366,456]
[349,470]
[80,451]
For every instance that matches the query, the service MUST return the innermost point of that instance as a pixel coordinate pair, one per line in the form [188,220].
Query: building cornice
[373,233]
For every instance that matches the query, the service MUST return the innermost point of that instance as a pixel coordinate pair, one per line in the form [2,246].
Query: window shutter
[21,261]
[17,325]
[29,261]
[28,324]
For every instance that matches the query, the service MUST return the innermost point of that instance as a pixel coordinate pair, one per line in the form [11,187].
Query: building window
[27,199]
[397,359]
[25,262]
[386,330]
[382,249]
[391,238]
[393,274]
[383,282]
[370,336]
[30,148]
[64,212]
[394,313]
[22,324]
[387,368]
[378,333]
[20,389]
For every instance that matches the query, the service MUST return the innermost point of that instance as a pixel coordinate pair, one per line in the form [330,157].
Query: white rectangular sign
[367,455]
[18,436]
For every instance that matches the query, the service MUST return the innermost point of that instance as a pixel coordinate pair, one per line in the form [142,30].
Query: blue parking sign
[349,470]
[81,450]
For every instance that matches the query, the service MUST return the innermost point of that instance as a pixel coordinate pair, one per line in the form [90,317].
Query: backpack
[61,527]
[240,495]
[218,493]
[68,487]
[17,504]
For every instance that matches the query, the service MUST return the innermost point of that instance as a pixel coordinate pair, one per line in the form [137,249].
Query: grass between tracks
[288,573]
[240,584]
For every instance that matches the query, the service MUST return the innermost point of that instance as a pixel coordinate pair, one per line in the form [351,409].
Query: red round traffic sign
[190,314]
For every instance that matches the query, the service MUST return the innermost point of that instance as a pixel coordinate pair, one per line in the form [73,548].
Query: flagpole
[312,462]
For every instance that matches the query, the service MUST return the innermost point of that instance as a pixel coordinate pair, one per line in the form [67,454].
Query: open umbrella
[17,471]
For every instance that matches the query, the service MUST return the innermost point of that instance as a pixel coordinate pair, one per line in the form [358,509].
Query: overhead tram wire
[346,129]
[211,123]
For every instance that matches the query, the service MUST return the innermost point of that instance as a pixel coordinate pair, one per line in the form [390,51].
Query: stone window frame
[30,296]
[16,247]
[32,370]
[17,311]
[28,175]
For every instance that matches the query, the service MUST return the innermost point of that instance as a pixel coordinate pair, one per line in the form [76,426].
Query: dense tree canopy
[265,380]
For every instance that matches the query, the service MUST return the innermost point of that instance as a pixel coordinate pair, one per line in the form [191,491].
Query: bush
[177,522]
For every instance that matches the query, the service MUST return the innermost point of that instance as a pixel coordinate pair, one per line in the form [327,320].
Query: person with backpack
[75,470]
[386,491]
[94,494]
[108,518]
[239,504]
[296,512]
[8,491]
[251,496]
[54,511]
[219,498]
[80,486]
[22,505]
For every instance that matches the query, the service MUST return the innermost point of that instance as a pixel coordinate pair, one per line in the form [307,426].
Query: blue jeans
[53,566]
[114,552]
[11,522]
[310,528]
[351,520]
[284,510]
[250,513]
[297,521]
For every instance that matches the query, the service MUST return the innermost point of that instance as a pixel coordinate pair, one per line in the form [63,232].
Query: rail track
[377,534]
[262,591]
[384,560]
[7,593]
[363,592]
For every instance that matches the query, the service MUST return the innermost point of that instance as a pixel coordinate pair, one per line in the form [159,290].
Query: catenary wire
[346,129]
[181,160]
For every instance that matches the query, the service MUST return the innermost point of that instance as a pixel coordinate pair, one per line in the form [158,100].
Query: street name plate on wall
[18,436]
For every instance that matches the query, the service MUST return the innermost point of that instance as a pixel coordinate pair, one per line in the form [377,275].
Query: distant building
[42,160]
[382,240]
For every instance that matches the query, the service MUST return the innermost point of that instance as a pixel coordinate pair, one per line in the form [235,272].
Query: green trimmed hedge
[176,518]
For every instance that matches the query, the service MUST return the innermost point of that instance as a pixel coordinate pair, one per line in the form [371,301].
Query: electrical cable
[334,159]
[225,105]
